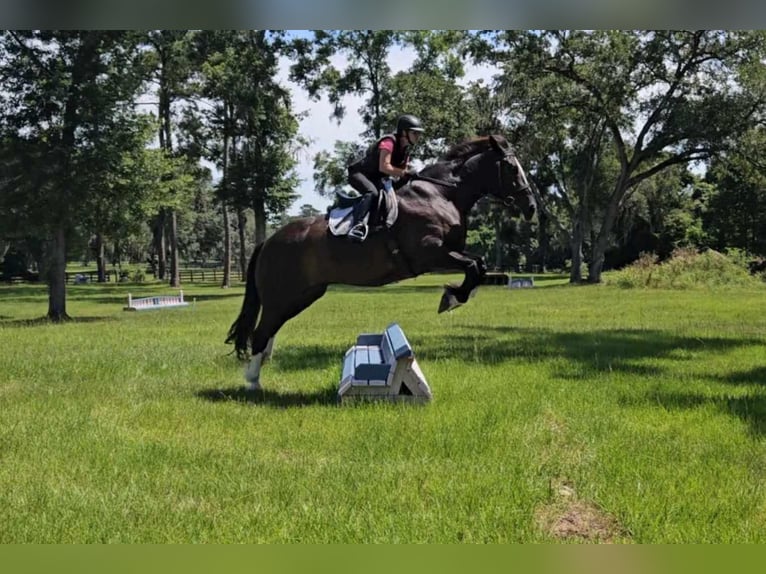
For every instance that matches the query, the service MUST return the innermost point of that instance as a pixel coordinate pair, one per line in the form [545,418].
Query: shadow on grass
[585,353]
[755,376]
[577,355]
[43,321]
[436,289]
[571,355]
[750,408]
[324,397]
[14,292]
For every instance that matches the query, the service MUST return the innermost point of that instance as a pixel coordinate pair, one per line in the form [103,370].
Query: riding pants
[369,188]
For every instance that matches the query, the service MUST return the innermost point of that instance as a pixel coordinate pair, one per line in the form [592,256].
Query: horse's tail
[244,325]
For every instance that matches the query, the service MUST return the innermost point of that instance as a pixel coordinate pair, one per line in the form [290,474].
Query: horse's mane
[467,148]
[458,153]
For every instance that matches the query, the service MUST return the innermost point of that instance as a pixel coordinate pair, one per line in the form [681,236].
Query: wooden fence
[90,276]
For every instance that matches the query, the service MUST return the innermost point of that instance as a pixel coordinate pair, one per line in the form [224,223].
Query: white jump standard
[383,367]
[159,302]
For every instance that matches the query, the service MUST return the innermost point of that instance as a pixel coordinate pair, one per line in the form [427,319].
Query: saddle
[348,218]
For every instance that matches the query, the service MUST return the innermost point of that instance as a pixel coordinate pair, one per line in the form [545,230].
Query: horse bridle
[506,201]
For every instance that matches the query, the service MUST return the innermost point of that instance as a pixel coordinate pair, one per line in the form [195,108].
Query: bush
[138,276]
[685,269]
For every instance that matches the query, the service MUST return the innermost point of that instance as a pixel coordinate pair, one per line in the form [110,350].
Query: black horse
[293,267]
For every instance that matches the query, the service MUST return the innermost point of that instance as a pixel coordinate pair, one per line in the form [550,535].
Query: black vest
[368,163]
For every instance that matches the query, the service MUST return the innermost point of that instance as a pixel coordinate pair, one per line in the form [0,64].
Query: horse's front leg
[474,268]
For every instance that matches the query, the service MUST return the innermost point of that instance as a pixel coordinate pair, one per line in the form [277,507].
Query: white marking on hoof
[253,386]
[473,292]
[253,373]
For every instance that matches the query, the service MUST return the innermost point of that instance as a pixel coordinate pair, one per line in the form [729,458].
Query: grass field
[560,414]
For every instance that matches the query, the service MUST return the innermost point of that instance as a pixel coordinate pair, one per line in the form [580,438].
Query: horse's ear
[499,143]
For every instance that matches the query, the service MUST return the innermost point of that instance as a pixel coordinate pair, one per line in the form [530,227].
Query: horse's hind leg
[269,350]
[271,320]
[267,328]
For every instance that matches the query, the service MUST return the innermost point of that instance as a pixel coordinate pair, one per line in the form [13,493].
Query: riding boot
[362,207]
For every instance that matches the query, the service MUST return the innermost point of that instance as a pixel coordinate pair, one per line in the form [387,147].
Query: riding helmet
[408,122]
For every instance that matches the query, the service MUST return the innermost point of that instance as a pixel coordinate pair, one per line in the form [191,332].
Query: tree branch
[30,52]
[682,69]
[684,157]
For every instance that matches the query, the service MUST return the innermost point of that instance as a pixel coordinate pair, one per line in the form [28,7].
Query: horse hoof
[448,302]
[253,386]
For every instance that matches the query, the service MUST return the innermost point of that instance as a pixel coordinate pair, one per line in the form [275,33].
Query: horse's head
[510,185]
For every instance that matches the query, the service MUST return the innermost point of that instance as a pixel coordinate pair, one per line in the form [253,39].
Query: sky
[324,131]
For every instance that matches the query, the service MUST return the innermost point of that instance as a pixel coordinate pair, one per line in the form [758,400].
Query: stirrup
[358,232]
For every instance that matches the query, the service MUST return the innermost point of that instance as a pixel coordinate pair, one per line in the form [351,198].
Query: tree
[734,194]
[68,94]
[213,130]
[125,180]
[172,71]
[666,97]
[429,89]
[330,168]
[367,73]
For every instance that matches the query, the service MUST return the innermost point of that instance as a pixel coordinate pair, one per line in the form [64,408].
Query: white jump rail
[157,302]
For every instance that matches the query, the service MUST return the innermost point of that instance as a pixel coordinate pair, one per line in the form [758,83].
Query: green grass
[645,406]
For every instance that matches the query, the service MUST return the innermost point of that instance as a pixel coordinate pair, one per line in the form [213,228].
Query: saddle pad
[390,203]
[341,220]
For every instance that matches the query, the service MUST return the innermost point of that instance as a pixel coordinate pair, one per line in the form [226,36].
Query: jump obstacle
[383,366]
[159,302]
[521,282]
[494,278]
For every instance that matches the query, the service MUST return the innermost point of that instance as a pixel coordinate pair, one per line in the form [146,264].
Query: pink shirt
[387,144]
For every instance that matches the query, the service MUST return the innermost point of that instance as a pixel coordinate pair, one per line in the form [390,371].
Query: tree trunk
[242,221]
[159,245]
[86,55]
[498,247]
[259,207]
[543,240]
[57,277]
[100,262]
[175,270]
[575,275]
[225,210]
[166,143]
[602,241]
[116,256]
[226,247]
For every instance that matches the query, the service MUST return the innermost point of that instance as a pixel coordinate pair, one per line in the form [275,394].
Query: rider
[389,156]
